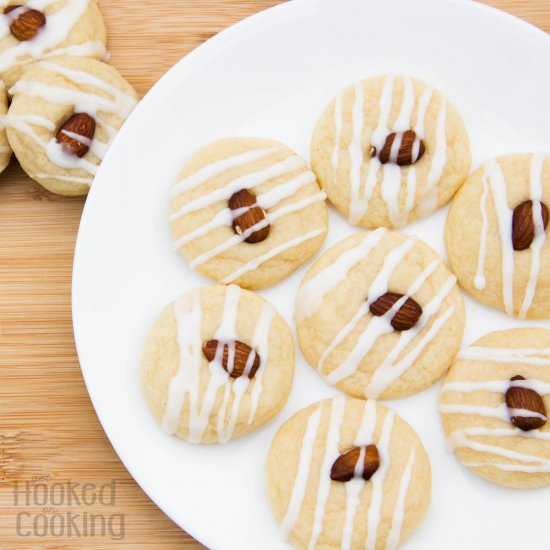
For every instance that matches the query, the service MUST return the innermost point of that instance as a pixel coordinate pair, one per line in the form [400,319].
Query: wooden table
[49,432]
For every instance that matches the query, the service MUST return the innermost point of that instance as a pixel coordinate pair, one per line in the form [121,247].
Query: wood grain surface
[49,433]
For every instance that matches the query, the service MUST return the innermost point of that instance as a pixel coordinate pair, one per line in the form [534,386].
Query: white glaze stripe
[354,487]
[399,511]
[312,292]
[480,281]
[355,149]
[302,474]
[248,181]
[216,168]
[500,412]
[331,454]
[536,168]
[338,123]
[254,264]
[527,356]
[504,217]
[511,467]
[496,386]
[375,509]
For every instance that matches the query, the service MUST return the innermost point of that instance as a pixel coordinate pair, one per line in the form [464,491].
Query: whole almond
[345,466]
[407,315]
[27,24]
[523,227]
[411,149]
[237,358]
[246,215]
[529,400]
[79,125]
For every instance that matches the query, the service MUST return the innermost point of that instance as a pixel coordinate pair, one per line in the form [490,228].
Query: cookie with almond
[218,363]
[247,211]
[497,234]
[390,150]
[380,315]
[347,473]
[494,405]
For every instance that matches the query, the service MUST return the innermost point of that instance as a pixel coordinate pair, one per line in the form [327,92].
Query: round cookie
[389,150]
[63,117]
[379,315]
[218,363]
[39,30]
[247,211]
[388,475]
[497,242]
[497,426]
[5,149]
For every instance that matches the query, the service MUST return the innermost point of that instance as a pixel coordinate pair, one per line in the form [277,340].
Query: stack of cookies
[66,104]
[379,315]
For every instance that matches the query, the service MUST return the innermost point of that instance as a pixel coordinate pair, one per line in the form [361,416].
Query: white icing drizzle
[461,437]
[527,356]
[480,281]
[399,512]
[392,173]
[354,487]
[261,344]
[428,204]
[254,264]
[46,43]
[375,509]
[187,380]
[536,168]
[248,181]
[337,405]
[504,217]
[312,292]
[302,475]
[213,170]
[71,179]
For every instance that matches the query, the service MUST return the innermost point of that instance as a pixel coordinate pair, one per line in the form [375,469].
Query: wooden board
[49,432]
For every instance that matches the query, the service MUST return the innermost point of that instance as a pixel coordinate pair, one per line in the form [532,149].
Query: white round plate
[271,75]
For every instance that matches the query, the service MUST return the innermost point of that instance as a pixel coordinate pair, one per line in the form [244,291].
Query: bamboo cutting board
[49,433]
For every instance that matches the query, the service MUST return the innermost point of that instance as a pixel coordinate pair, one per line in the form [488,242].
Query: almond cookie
[64,114]
[247,211]
[34,30]
[496,234]
[5,149]
[494,404]
[218,363]
[345,473]
[389,150]
[380,315]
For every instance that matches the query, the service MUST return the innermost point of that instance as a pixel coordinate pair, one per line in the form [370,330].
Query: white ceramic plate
[271,75]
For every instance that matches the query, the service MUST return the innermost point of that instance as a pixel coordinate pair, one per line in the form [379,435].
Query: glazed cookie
[379,315]
[63,117]
[34,30]
[346,473]
[218,363]
[5,149]
[496,240]
[493,407]
[390,150]
[247,211]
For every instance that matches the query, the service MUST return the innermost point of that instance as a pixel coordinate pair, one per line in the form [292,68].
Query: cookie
[35,30]
[389,150]
[218,363]
[247,211]
[379,315]
[497,240]
[5,149]
[494,404]
[64,115]
[345,473]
